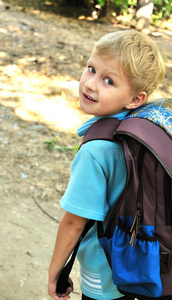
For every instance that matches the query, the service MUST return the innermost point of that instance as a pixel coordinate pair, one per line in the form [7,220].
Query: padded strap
[103,129]
[152,136]
[62,283]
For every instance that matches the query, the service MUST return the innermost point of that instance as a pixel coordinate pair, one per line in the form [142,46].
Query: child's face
[104,89]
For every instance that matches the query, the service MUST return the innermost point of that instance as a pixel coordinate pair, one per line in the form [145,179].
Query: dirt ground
[41,55]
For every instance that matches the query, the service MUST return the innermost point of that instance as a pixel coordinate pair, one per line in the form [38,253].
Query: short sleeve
[85,195]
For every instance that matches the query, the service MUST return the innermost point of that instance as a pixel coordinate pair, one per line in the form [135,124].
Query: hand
[54,295]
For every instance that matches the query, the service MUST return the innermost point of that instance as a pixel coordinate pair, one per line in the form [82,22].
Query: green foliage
[101,2]
[118,6]
[121,5]
[51,146]
[162,8]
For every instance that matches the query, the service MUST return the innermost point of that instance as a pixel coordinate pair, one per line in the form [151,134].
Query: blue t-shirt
[98,176]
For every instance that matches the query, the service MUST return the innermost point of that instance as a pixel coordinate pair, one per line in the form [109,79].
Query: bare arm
[70,229]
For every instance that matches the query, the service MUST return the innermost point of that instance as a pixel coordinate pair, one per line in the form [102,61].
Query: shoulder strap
[152,136]
[62,283]
[103,129]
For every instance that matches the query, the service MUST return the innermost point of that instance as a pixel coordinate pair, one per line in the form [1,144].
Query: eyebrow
[112,72]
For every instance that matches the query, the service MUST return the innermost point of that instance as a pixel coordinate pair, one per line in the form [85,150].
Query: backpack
[137,240]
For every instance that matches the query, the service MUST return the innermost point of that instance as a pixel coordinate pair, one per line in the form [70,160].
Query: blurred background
[44,47]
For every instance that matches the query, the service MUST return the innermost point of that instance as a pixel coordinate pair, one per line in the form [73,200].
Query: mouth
[89,98]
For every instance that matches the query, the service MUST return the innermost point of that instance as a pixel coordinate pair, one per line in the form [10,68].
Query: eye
[91,69]
[108,81]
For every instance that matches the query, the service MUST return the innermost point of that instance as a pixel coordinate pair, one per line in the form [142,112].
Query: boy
[122,71]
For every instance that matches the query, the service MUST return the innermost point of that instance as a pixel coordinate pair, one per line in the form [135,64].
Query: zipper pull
[136,225]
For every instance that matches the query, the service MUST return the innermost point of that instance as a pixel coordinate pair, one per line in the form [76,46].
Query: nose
[91,84]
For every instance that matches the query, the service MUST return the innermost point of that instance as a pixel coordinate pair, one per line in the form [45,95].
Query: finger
[70,282]
[69,290]
[62,297]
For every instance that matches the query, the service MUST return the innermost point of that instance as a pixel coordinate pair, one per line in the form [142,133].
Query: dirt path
[38,119]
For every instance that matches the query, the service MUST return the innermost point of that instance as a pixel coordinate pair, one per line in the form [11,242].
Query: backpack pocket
[134,269]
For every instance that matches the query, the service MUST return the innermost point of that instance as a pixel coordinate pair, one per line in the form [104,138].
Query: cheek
[81,82]
[84,77]
[80,88]
[108,97]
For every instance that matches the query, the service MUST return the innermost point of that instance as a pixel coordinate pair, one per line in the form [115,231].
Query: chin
[85,109]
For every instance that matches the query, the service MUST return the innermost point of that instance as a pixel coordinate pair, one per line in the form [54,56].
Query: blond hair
[140,59]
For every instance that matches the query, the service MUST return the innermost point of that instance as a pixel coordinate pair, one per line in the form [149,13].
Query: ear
[137,101]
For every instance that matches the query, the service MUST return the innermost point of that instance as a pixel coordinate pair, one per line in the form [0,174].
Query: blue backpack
[137,240]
